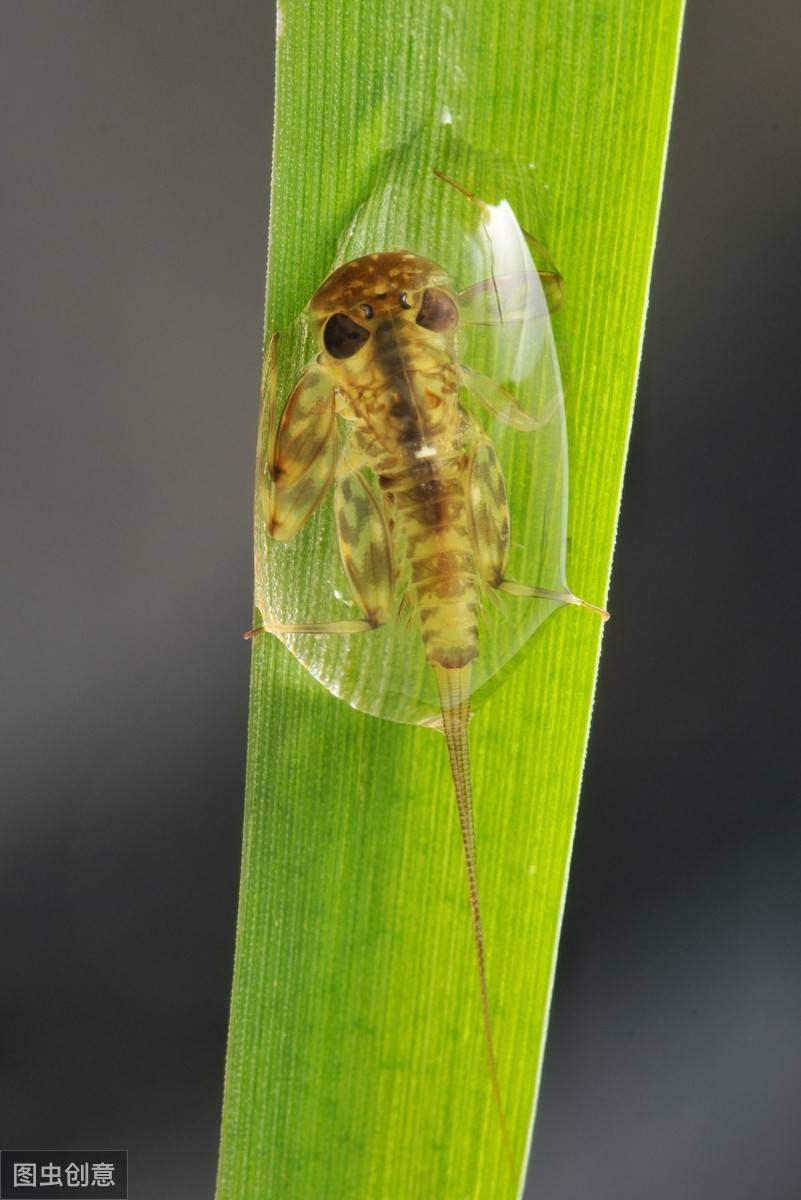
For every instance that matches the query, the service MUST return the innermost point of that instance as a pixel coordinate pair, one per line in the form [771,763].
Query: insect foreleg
[552,282]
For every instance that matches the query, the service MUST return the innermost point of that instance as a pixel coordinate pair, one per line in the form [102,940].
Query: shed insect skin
[435,535]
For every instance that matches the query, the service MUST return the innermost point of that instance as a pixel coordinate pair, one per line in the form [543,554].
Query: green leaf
[356,1065]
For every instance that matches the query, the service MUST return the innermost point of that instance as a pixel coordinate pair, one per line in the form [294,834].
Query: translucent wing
[488,512]
[296,460]
[512,391]
[365,546]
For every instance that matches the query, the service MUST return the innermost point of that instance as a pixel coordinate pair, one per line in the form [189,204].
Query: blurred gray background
[136,142]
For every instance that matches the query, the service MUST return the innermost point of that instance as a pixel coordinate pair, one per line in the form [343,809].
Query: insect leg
[497,401]
[550,278]
[523,589]
[488,514]
[321,627]
[553,284]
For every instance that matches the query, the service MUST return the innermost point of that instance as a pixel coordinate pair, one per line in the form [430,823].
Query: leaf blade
[355,1060]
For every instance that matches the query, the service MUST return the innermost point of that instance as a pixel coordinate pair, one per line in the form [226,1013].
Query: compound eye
[343,337]
[438,311]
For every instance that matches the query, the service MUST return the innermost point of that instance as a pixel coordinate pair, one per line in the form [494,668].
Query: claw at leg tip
[599,612]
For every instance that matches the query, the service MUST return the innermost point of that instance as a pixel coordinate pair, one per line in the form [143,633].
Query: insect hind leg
[320,627]
[567,597]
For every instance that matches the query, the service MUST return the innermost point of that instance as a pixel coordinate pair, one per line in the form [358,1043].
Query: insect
[389,427]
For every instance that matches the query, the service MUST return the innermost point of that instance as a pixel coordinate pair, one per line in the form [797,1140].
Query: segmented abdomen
[415,433]
[427,501]
[432,528]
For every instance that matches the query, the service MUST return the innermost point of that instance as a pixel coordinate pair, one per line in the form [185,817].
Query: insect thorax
[407,407]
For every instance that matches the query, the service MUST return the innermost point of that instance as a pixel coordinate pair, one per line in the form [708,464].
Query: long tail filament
[454,694]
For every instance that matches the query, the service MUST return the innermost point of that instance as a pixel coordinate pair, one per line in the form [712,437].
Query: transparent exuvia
[440,296]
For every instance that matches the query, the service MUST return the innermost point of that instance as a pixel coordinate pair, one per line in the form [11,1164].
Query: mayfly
[386,421]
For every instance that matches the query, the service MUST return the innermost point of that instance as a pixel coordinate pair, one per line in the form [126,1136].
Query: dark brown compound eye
[343,337]
[438,311]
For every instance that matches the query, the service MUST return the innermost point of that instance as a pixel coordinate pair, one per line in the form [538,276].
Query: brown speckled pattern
[400,394]
[378,279]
